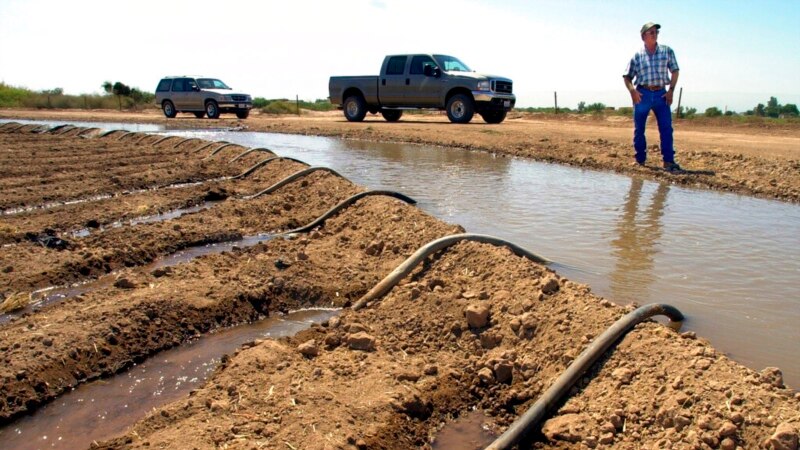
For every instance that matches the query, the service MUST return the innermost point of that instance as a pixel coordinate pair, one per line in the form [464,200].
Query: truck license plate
[506,103]
[240,106]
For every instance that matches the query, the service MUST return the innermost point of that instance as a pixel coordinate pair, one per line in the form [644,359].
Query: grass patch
[14,302]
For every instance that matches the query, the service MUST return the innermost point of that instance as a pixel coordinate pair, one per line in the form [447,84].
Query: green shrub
[11,97]
[280,107]
[713,112]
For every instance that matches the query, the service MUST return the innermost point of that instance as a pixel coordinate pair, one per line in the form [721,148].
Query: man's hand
[668,97]
[637,97]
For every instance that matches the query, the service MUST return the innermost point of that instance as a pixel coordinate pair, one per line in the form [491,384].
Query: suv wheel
[169,109]
[460,108]
[212,109]
[199,114]
[355,108]
[243,114]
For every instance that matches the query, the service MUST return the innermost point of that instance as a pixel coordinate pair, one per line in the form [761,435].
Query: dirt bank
[474,326]
[752,159]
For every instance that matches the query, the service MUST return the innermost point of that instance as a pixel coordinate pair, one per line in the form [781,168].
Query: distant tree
[790,109]
[119,89]
[713,112]
[581,107]
[759,110]
[773,108]
[690,112]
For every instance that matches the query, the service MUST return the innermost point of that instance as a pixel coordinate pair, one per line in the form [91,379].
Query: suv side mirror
[195,87]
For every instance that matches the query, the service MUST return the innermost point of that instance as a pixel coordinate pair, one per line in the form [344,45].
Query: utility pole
[555,97]
[680,94]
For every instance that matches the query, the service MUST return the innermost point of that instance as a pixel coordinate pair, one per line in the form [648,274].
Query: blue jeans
[655,101]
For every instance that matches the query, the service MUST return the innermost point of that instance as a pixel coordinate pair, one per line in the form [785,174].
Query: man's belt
[651,88]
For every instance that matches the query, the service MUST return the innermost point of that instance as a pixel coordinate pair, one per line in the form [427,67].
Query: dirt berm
[473,326]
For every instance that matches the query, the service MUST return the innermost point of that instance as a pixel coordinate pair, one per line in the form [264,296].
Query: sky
[733,54]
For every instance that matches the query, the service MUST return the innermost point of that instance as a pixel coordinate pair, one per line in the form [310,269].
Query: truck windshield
[451,64]
[211,83]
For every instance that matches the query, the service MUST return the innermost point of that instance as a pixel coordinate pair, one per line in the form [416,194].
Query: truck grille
[502,86]
[239,98]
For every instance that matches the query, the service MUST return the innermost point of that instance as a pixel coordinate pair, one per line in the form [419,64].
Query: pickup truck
[423,81]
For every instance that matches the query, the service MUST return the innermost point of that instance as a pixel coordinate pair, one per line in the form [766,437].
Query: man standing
[655,72]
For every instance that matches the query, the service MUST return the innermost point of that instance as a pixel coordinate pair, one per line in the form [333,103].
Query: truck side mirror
[431,71]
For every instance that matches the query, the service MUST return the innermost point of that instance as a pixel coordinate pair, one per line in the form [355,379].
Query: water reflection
[637,244]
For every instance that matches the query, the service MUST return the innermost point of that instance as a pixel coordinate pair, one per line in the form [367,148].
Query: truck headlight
[483,85]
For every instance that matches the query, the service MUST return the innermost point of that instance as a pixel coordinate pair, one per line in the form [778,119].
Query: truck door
[392,82]
[422,90]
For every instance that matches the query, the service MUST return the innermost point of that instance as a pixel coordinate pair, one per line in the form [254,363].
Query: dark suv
[201,96]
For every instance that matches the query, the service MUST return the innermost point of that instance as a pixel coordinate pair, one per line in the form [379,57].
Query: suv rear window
[164,85]
[183,85]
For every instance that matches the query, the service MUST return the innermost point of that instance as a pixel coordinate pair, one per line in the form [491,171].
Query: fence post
[297,102]
[680,94]
[555,97]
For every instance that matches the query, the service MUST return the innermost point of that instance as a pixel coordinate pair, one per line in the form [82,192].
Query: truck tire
[460,108]
[243,114]
[212,109]
[392,115]
[494,116]
[169,109]
[355,108]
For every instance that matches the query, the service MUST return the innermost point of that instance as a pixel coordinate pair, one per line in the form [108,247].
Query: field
[474,325]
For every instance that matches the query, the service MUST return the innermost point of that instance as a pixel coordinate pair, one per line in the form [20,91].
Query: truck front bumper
[493,101]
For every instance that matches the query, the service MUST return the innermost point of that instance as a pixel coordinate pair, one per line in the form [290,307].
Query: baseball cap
[649,25]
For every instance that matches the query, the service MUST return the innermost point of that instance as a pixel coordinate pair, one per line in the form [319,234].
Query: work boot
[672,167]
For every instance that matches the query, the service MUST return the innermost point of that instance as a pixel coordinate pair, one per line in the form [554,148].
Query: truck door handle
[408,81]
[383,81]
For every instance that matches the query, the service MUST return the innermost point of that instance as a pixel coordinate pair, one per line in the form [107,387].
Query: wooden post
[297,102]
[555,97]
[680,94]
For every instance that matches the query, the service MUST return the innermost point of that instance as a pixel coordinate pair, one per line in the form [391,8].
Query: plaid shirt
[652,69]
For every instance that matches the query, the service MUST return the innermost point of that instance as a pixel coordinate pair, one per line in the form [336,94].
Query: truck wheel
[243,114]
[494,116]
[212,109]
[392,115]
[169,109]
[199,114]
[355,108]
[460,108]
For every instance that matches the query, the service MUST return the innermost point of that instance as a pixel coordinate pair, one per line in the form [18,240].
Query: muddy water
[47,296]
[730,263]
[468,432]
[174,214]
[105,408]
